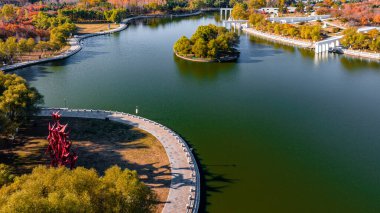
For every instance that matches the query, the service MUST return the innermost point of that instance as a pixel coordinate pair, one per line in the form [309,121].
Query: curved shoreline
[227,59]
[184,192]
[308,45]
[75,45]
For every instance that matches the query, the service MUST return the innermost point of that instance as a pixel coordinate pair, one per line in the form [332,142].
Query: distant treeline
[78,15]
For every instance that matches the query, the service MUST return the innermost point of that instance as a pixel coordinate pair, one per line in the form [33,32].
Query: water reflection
[275,45]
[359,64]
[306,53]
[203,71]
[162,22]
[348,62]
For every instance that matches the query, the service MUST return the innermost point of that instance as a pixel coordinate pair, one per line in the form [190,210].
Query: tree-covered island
[208,44]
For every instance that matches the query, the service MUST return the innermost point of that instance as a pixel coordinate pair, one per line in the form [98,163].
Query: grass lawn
[93,28]
[100,144]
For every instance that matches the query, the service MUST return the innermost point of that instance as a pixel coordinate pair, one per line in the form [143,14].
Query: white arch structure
[325,45]
[225,13]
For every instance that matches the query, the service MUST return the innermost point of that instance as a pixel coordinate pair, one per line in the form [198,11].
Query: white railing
[298,19]
[194,193]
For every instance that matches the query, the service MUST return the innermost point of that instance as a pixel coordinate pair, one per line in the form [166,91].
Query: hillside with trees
[208,42]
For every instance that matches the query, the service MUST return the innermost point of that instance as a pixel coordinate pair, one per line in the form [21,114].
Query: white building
[291,9]
[271,10]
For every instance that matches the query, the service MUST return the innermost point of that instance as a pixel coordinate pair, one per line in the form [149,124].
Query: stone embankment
[361,54]
[184,192]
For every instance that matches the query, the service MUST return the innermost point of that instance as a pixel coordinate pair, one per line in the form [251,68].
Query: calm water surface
[281,130]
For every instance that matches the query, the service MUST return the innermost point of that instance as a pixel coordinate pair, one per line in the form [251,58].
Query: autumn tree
[363,41]
[256,4]
[308,32]
[200,48]
[115,15]
[376,19]
[78,190]
[183,46]
[196,4]
[232,3]
[8,13]
[6,174]
[30,43]
[208,42]
[18,100]
[8,49]
[239,12]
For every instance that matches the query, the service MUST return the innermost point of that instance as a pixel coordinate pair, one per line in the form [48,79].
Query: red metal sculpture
[59,147]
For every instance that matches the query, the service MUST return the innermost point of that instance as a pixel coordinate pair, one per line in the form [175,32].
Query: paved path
[184,192]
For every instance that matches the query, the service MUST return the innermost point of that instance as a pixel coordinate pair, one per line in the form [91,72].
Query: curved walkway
[184,192]
[75,45]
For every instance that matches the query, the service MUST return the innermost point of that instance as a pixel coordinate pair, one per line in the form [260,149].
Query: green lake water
[281,130]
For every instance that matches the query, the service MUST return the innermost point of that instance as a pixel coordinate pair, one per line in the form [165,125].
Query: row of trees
[361,41]
[11,47]
[80,15]
[208,42]
[251,5]
[259,22]
[153,5]
[44,21]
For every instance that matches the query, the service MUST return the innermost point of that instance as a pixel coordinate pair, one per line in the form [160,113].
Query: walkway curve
[184,192]
[76,46]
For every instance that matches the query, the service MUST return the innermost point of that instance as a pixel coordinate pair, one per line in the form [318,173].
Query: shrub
[6,175]
[78,190]
[239,11]
[17,101]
